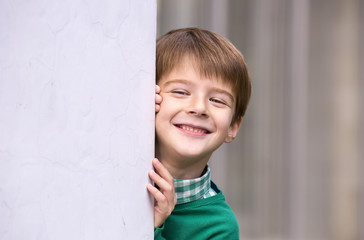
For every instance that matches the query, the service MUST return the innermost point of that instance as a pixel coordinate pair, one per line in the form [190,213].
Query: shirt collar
[188,190]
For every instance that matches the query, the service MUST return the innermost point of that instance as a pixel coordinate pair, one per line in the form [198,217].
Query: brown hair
[214,56]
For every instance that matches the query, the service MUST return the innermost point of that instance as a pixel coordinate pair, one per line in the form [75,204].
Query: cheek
[166,113]
[169,106]
[224,121]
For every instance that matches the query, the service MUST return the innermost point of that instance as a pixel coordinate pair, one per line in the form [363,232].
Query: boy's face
[195,114]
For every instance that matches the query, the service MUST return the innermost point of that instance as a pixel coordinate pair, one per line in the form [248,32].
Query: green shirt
[201,212]
[206,218]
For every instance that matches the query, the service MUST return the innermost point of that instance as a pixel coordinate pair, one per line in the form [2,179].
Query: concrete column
[76,119]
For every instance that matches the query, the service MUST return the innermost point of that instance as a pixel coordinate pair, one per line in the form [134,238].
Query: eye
[180,92]
[218,101]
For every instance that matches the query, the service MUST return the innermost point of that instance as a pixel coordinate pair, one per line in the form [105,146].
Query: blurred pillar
[345,150]
[298,132]
[76,119]
[360,170]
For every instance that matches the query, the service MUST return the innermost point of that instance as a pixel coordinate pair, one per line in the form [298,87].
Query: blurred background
[295,170]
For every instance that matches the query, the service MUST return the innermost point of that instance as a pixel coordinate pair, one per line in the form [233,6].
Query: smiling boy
[205,87]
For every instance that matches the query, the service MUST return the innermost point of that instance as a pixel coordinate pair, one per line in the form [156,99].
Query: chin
[193,154]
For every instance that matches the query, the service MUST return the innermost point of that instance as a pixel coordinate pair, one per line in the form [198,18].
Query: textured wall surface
[76,119]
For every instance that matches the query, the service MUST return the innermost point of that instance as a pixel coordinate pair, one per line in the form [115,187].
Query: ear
[233,130]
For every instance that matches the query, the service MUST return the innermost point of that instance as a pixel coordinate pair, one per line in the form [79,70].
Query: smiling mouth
[193,130]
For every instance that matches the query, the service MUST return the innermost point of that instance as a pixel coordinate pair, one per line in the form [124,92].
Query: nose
[198,107]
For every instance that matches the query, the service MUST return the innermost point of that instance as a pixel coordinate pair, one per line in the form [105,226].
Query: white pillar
[76,119]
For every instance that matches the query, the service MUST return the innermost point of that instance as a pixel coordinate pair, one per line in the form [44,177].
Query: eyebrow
[219,90]
[177,81]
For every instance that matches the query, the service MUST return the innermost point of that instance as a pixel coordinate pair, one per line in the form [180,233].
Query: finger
[164,186]
[159,197]
[158,98]
[162,208]
[157,108]
[157,89]
[162,171]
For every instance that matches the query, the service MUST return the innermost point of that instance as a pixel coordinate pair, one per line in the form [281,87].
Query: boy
[205,86]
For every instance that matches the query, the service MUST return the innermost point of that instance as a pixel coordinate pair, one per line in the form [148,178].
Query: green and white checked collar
[188,190]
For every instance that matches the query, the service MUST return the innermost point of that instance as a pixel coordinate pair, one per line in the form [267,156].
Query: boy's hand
[165,197]
[158,98]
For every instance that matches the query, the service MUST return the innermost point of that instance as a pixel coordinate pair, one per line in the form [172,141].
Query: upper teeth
[192,129]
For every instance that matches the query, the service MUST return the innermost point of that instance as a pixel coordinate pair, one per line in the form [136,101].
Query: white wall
[76,119]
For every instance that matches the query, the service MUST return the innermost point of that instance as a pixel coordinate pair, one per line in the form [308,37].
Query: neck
[182,167]
[188,172]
